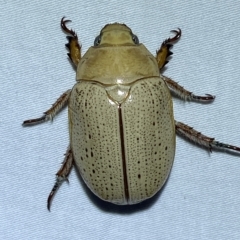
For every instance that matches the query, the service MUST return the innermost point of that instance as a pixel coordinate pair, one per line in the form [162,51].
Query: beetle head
[116,34]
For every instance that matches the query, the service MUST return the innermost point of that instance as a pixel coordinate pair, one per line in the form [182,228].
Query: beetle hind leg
[185,94]
[164,52]
[73,45]
[62,175]
[202,140]
[51,112]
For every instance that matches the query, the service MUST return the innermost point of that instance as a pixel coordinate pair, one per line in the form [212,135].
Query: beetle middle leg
[73,45]
[51,112]
[185,94]
[202,140]
[62,174]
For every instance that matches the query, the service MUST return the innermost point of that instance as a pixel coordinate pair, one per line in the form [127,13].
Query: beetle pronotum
[121,124]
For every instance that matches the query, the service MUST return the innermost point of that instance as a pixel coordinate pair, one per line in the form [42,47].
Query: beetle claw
[178,35]
[63,25]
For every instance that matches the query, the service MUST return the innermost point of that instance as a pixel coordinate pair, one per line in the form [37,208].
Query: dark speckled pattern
[149,139]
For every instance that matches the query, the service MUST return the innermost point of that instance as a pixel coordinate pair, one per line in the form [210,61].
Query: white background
[201,199]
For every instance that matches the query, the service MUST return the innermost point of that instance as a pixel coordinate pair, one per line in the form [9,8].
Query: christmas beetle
[121,124]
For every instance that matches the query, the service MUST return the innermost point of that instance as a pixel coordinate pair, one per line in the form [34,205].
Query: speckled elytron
[121,124]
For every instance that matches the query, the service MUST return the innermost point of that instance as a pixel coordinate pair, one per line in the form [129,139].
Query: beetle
[121,124]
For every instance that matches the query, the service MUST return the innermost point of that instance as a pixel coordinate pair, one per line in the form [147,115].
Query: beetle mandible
[121,124]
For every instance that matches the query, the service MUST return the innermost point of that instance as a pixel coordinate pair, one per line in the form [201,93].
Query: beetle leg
[164,52]
[52,112]
[183,93]
[201,139]
[73,46]
[62,174]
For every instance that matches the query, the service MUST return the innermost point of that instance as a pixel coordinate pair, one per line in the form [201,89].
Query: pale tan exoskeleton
[121,123]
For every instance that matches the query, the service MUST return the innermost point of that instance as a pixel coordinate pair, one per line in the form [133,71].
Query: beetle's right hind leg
[51,112]
[73,45]
[203,140]
[62,174]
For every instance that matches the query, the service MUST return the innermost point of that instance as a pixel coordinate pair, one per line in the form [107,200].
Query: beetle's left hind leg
[62,174]
[201,139]
[73,45]
[164,52]
[185,94]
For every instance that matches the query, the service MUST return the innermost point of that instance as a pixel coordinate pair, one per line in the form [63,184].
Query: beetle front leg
[164,52]
[185,94]
[62,174]
[201,139]
[52,112]
[73,45]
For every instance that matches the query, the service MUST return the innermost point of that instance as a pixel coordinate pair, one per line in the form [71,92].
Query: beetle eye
[135,39]
[97,40]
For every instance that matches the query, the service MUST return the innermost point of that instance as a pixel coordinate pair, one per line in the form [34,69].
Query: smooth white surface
[201,199]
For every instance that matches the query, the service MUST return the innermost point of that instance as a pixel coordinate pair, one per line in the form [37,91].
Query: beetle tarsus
[164,52]
[52,193]
[208,97]
[56,186]
[62,174]
[34,121]
[73,45]
[203,140]
[221,145]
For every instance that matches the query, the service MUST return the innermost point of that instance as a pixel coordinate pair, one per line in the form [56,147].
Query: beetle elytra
[121,125]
